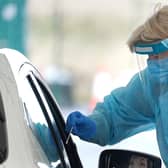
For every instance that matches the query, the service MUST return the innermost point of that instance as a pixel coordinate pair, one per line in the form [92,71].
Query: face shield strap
[152,48]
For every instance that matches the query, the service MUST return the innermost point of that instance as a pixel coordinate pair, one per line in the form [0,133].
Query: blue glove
[81,125]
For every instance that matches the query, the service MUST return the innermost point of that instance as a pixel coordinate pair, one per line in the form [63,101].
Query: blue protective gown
[129,110]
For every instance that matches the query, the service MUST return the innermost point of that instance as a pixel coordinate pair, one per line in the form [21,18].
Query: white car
[32,128]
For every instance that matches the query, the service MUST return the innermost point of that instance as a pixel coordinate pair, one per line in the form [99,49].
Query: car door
[32,129]
[44,119]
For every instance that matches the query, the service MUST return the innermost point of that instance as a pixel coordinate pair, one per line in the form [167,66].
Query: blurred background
[79,47]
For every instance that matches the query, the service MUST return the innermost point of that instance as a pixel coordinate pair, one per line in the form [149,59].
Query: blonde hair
[155,28]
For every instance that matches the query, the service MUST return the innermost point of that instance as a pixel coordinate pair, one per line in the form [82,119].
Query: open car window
[49,114]
[39,119]
[56,114]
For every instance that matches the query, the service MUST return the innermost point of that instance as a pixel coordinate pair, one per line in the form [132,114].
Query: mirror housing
[127,159]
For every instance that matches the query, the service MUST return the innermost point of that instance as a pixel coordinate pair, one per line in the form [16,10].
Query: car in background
[32,127]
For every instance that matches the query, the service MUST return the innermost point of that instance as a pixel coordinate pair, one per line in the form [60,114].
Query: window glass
[54,110]
[39,126]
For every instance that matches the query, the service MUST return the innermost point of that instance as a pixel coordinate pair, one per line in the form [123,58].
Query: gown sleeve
[123,113]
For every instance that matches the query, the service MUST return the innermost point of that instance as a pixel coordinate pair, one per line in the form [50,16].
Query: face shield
[151,57]
[152,60]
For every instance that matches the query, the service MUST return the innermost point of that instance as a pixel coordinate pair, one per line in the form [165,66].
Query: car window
[40,121]
[69,145]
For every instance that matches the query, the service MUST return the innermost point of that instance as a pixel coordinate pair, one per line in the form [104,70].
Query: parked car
[32,128]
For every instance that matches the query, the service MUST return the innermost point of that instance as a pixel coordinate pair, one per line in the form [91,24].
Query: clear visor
[152,61]
[142,64]
[153,74]
[142,52]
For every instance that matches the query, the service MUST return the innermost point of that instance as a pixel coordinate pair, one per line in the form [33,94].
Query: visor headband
[152,48]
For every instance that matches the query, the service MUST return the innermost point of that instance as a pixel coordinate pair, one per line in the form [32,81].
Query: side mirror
[127,159]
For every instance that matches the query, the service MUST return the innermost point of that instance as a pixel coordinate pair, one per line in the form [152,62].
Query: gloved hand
[81,125]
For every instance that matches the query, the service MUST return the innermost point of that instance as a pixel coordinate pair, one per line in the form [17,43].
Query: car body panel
[19,147]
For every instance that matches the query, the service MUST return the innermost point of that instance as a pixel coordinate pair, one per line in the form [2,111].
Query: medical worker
[143,102]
